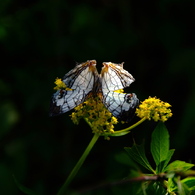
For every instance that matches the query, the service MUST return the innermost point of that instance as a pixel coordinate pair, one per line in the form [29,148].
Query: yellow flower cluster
[93,111]
[60,85]
[96,115]
[154,108]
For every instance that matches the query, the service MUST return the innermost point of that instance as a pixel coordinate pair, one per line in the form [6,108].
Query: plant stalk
[75,170]
[132,126]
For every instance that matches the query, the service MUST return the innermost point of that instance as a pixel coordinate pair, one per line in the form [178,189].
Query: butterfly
[84,80]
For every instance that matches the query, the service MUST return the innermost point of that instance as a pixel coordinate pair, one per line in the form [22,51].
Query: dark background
[41,40]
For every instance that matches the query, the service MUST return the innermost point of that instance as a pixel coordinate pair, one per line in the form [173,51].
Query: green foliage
[137,153]
[172,178]
[24,189]
[166,178]
[189,182]
[179,166]
[160,147]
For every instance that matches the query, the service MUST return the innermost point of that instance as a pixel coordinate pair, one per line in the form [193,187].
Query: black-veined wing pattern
[84,79]
[121,105]
[114,77]
[83,76]
[80,82]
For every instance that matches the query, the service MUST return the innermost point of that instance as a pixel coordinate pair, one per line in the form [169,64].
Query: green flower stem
[75,170]
[87,121]
[131,127]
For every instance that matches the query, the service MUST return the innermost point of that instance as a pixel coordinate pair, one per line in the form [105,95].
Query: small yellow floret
[154,108]
[60,85]
[119,91]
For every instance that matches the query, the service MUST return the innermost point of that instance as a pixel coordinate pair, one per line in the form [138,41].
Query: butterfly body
[84,80]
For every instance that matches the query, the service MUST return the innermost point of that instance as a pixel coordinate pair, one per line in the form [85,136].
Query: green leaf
[182,187]
[160,145]
[169,155]
[179,165]
[161,167]
[172,184]
[23,188]
[137,153]
[189,182]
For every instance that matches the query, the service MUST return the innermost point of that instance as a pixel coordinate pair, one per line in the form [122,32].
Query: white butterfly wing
[81,81]
[121,105]
[114,77]
[83,76]
[63,101]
